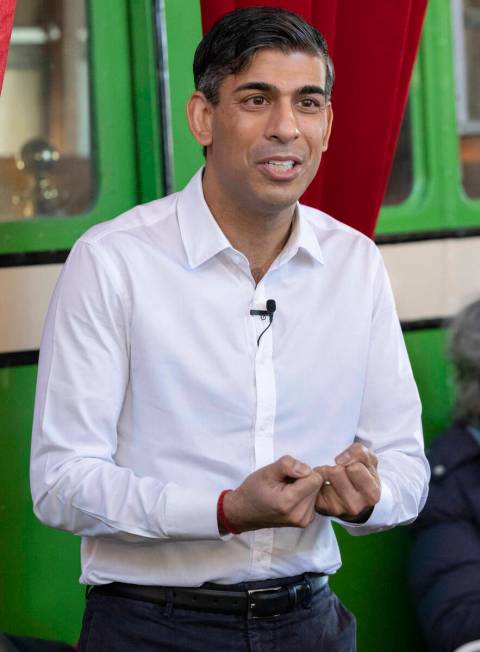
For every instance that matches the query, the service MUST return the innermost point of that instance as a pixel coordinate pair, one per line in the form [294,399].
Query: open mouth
[281,170]
[281,166]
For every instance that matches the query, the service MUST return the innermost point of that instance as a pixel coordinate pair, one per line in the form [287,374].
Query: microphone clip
[271,306]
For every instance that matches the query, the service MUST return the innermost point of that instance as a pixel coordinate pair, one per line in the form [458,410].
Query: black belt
[255,603]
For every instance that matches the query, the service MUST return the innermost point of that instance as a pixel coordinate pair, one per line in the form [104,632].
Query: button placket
[264,419]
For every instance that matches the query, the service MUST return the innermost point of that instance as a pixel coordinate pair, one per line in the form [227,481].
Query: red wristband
[222,519]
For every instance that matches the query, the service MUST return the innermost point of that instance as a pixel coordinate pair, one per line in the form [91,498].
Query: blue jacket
[445,558]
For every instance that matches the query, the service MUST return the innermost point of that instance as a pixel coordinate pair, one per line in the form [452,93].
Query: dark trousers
[117,624]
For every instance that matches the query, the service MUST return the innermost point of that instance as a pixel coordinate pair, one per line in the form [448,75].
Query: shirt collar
[203,238]
[201,235]
[302,237]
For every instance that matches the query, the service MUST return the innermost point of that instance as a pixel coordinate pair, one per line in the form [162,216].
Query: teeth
[282,165]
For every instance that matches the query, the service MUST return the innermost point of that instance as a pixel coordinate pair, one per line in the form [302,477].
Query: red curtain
[7,11]
[373,45]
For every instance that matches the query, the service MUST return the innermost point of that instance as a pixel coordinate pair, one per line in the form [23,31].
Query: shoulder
[345,250]
[120,247]
[142,221]
[335,234]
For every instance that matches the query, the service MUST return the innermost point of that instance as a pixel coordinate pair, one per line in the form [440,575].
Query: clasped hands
[288,493]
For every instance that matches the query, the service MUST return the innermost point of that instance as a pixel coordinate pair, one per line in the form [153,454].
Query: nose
[282,124]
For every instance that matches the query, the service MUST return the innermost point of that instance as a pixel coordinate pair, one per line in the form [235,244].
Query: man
[227,338]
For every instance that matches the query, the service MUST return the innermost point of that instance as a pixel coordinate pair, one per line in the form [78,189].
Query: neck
[259,236]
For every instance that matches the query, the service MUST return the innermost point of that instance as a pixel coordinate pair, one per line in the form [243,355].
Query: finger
[328,502]
[365,483]
[341,482]
[324,471]
[304,511]
[346,499]
[304,487]
[288,467]
[296,500]
[357,452]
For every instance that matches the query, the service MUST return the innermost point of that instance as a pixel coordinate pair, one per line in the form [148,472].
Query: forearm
[92,497]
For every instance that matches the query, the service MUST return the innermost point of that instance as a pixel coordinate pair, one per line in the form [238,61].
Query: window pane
[466,25]
[46,166]
[401,176]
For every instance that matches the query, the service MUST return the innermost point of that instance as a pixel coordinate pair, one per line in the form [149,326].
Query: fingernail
[343,458]
[301,469]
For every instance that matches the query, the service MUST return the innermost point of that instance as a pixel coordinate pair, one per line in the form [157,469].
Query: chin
[280,195]
[275,204]
[280,199]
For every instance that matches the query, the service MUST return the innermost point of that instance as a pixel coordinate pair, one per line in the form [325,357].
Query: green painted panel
[39,568]
[184,32]
[372,583]
[434,376]
[146,101]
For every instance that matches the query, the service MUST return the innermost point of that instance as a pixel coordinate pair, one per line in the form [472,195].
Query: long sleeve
[77,485]
[390,419]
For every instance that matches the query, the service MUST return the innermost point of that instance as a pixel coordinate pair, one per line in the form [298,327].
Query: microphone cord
[270,316]
[271,307]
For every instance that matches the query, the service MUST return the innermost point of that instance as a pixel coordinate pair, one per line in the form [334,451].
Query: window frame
[120,68]
[438,201]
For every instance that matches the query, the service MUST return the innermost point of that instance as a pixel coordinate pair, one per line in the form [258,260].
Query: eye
[311,105]
[255,101]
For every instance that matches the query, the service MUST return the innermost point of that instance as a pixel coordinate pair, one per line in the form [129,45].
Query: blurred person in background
[445,561]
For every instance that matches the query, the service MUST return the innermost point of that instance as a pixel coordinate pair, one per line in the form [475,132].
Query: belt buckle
[252,605]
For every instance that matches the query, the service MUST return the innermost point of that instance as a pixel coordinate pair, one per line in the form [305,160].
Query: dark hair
[232,42]
[464,348]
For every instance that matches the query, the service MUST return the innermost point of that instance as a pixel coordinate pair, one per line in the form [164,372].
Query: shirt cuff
[191,514]
[380,518]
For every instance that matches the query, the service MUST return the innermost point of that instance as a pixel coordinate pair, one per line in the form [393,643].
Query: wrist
[361,518]
[225,514]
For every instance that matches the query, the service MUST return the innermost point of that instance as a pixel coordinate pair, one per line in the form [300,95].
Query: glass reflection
[466,31]
[46,166]
[401,176]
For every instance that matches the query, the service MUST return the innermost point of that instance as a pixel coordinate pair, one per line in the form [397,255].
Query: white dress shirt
[153,396]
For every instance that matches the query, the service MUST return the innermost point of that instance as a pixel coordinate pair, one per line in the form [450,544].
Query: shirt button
[439,470]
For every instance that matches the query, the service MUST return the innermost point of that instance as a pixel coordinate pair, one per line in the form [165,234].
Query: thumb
[307,485]
[288,467]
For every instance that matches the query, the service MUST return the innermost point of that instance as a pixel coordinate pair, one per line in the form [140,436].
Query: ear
[199,114]
[328,126]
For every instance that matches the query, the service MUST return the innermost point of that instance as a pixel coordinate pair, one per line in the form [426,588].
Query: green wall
[39,567]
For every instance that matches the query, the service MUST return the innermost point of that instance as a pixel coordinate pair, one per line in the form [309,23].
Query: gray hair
[464,350]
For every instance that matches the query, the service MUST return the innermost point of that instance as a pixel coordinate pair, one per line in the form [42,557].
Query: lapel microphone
[271,306]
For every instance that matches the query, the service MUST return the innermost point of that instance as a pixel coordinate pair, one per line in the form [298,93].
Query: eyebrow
[263,86]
